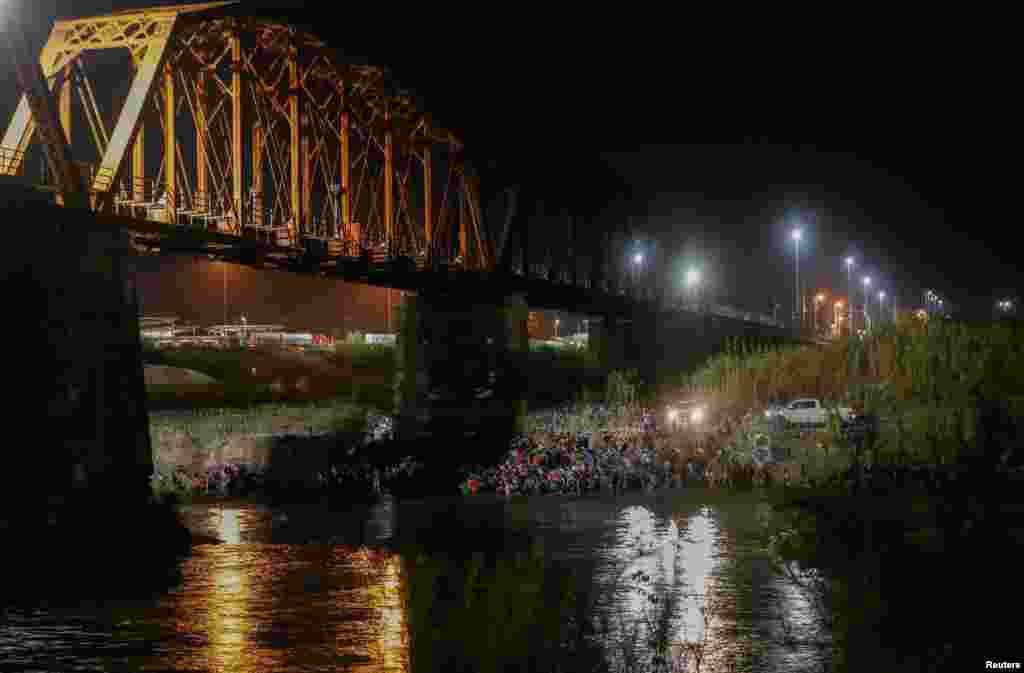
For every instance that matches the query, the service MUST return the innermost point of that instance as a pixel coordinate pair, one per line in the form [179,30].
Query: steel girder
[341,152]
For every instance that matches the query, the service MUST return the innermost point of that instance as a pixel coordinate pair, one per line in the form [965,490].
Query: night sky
[886,142]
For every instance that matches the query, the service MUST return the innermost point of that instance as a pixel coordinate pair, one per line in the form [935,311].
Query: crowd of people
[226,479]
[562,453]
[631,451]
[567,462]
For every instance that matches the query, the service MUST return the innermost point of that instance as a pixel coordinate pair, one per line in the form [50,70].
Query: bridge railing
[12,161]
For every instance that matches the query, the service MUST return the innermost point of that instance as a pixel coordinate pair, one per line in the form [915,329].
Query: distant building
[382,339]
[157,327]
[539,326]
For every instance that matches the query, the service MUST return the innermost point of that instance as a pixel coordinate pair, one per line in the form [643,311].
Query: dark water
[448,584]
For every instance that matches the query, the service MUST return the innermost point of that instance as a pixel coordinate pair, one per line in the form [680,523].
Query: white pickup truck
[808,412]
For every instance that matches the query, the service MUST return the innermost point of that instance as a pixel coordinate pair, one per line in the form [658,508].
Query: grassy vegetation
[924,380]
[948,397]
[207,427]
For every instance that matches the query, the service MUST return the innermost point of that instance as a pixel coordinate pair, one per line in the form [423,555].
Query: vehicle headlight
[673,415]
[768,413]
[697,415]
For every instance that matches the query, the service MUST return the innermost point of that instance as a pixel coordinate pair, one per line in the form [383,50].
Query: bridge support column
[81,401]
[460,369]
[607,342]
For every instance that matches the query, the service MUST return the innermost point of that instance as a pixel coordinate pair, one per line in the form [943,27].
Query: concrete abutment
[76,387]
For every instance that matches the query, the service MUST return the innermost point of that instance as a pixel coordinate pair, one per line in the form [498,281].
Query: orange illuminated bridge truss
[263,129]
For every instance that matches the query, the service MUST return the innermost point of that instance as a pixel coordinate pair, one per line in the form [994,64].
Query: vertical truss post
[65,103]
[64,111]
[463,238]
[257,174]
[236,128]
[462,206]
[170,145]
[294,120]
[428,200]
[307,177]
[346,193]
[389,187]
[202,136]
[139,165]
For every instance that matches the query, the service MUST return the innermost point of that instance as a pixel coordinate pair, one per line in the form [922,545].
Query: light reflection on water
[275,597]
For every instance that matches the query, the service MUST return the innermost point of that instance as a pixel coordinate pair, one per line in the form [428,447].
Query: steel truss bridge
[275,150]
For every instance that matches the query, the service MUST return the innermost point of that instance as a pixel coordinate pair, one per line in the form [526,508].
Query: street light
[638,259]
[881,310]
[818,299]
[849,287]
[867,316]
[557,323]
[693,282]
[837,318]
[797,235]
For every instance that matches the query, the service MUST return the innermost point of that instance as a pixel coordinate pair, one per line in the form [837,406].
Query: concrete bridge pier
[609,341]
[77,425]
[461,368]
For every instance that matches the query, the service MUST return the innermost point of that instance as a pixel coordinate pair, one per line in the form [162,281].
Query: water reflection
[666,591]
[228,609]
[229,527]
[372,634]
[270,599]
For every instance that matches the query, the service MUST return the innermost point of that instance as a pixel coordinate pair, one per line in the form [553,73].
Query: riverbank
[569,450]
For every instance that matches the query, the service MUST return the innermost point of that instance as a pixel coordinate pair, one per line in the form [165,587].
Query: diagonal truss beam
[44,111]
[22,126]
[143,86]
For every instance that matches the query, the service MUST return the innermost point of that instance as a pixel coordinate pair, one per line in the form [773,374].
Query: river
[480,583]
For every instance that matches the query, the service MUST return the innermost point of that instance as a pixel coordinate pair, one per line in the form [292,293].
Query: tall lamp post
[881,305]
[693,285]
[867,316]
[837,319]
[849,289]
[638,259]
[799,318]
[818,299]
